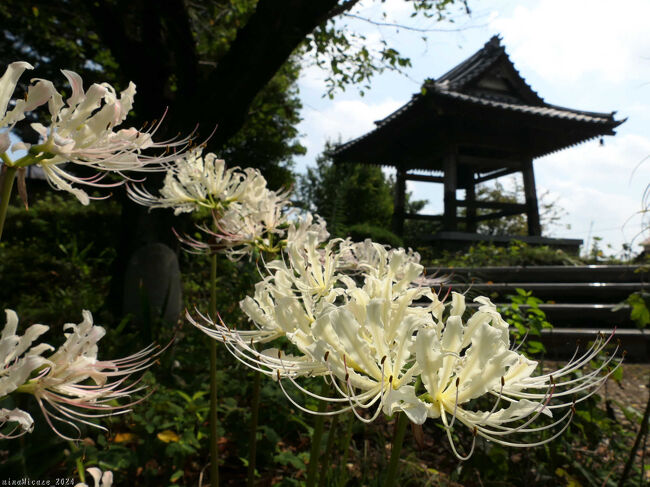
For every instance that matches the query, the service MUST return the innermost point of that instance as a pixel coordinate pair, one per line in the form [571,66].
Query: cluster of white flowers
[386,344]
[371,257]
[246,214]
[81,131]
[68,382]
[100,479]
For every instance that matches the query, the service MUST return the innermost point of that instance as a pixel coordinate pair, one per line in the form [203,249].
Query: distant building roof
[484,89]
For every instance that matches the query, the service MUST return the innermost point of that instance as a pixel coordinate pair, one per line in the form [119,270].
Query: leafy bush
[363,231]
[55,257]
[485,254]
[528,320]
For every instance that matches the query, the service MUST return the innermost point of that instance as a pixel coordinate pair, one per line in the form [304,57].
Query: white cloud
[312,78]
[344,120]
[601,187]
[593,164]
[569,41]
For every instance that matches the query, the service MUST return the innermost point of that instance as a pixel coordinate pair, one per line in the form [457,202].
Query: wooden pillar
[400,198]
[450,220]
[532,210]
[470,197]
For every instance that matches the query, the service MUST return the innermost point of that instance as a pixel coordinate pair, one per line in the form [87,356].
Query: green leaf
[176,475]
[617,374]
[639,312]
[535,347]
[184,396]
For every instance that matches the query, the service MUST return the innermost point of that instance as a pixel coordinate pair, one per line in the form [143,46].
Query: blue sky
[585,54]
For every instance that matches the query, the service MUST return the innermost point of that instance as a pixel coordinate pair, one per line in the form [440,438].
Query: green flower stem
[79,462]
[5,194]
[252,441]
[400,430]
[314,454]
[214,447]
[255,402]
[343,473]
[34,156]
[643,431]
[325,462]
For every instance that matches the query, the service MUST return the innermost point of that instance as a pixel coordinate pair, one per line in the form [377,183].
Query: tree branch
[340,9]
[273,32]
[413,29]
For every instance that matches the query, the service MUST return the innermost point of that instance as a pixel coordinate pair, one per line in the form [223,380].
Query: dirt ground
[632,390]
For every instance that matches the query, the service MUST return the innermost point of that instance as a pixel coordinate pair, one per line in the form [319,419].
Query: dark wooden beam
[475,161]
[532,210]
[425,178]
[450,180]
[431,218]
[496,174]
[470,197]
[497,205]
[400,199]
[498,214]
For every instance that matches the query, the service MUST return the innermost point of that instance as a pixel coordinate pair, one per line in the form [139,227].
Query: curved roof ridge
[478,63]
[474,65]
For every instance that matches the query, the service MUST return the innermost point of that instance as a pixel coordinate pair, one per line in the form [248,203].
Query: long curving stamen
[451,440]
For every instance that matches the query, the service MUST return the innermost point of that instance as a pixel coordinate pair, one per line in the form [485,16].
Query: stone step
[579,301]
[585,292]
[588,273]
[580,314]
[561,343]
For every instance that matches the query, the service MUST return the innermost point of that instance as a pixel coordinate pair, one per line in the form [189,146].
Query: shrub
[363,231]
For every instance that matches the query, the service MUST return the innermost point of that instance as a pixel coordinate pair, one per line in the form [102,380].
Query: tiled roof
[459,84]
[545,110]
[460,76]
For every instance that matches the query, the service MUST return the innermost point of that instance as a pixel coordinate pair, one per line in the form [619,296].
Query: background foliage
[164,442]
[221,63]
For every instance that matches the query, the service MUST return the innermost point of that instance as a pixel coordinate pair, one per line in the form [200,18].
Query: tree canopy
[206,61]
[353,198]
[550,212]
[227,67]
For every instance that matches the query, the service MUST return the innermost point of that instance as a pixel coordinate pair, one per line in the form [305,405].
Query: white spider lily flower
[359,337]
[82,128]
[465,361]
[244,227]
[8,84]
[367,345]
[100,479]
[195,181]
[81,131]
[380,260]
[37,95]
[298,231]
[22,423]
[18,359]
[246,214]
[289,298]
[72,380]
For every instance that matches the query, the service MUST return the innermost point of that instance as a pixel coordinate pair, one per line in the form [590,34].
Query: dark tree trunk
[153,44]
